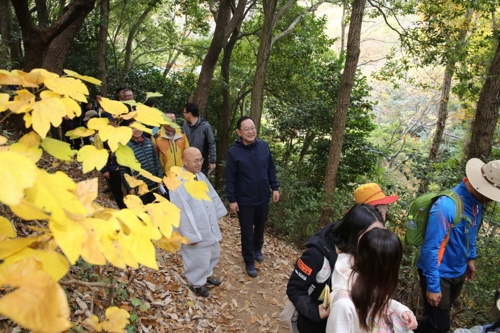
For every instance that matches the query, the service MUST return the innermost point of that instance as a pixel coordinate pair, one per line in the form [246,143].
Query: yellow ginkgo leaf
[4,98]
[9,78]
[68,86]
[141,127]
[150,176]
[92,158]
[53,194]
[134,182]
[153,94]
[27,120]
[91,246]
[138,240]
[116,320]
[198,190]
[33,153]
[10,246]
[114,244]
[133,202]
[72,107]
[92,323]
[171,181]
[149,116]
[31,139]
[54,263]
[45,112]
[98,123]
[82,77]
[70,237]
[165,216]
[27,305]
[28,211]
[31,80]
[59,149]
[17,173]
[129,115]
[86,191]
[23,102]
[79,132]
[7,228]
[43,74]
[115,135]
[172,244]
[113,107]
[183,174]
[125,156]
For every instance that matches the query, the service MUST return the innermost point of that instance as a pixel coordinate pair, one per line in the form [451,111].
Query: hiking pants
[438,318]
[252,222]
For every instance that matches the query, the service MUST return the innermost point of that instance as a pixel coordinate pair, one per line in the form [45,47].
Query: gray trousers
[199,262]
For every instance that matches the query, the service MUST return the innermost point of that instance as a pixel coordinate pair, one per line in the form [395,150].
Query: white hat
[485,178]
[89,114]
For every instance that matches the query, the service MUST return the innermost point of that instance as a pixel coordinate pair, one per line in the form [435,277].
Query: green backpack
[418,215]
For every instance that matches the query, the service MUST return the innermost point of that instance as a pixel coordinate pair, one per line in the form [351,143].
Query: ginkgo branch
[88,284]
[6,116]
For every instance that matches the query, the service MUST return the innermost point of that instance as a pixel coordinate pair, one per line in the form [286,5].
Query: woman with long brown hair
[363,285]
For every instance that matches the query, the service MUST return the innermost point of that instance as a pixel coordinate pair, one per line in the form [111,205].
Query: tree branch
[86,284]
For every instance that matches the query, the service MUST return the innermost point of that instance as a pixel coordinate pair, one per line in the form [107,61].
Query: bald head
[191,157]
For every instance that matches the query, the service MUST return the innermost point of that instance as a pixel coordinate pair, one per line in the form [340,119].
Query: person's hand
[131,191]
[212,166]
[471,270]
[234,207]
[106,174]
[433,298]
[323,313]
[410,320]
[276,196]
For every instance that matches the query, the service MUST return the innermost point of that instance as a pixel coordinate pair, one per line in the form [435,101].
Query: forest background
[401,93]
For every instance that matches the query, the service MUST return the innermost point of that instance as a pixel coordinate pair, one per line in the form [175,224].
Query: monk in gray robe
[199,224]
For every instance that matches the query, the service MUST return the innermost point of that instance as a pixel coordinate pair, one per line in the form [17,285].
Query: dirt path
[161,301]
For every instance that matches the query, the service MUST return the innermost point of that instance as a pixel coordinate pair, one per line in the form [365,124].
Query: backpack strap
[459,215]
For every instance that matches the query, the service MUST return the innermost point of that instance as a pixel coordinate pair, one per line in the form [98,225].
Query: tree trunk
[101,45]
[440,124]
[344,99]
[5,32]
[59,47]
[131,36]
[224,26]
[486,112]
[36,41]
[227,109]
[263,55]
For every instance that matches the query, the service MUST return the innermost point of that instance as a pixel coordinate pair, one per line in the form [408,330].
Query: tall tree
[272,15]
[101,44]
[340,117]
[48,47]
[487,111]
[227,17]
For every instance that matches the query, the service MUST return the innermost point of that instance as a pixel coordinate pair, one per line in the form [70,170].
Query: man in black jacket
[145,153]
[200,135]
[250,173]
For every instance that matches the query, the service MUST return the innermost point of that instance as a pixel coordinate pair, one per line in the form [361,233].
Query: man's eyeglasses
[197,161]
[248,129]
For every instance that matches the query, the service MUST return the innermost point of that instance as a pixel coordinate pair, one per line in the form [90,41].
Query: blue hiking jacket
[461,246]
[250,171]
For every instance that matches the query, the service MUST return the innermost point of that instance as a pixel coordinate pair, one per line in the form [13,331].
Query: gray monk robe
[199,224]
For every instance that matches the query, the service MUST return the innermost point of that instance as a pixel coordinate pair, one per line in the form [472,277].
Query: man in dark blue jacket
[250,171]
